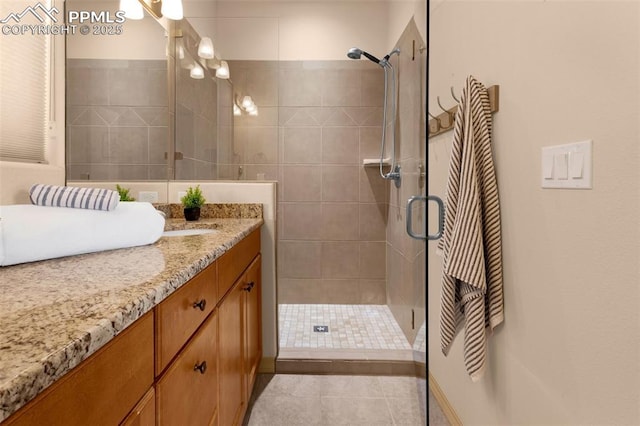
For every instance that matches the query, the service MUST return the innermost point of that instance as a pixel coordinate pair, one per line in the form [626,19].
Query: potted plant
[192,202]
[124,193]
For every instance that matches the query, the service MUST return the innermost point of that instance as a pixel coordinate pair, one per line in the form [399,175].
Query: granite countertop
[55,313]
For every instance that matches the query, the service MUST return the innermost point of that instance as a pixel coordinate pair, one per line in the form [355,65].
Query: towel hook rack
[450,114]
[438,121]
[453,95]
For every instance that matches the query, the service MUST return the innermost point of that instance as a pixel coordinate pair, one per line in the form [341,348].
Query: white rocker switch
[560,166]
[576,165]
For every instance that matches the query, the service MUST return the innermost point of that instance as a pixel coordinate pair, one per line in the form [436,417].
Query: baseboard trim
[267,365]
[445,405]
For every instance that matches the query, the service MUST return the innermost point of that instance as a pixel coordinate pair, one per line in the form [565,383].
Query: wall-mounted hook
[449,113]
[438,122]
[453,95]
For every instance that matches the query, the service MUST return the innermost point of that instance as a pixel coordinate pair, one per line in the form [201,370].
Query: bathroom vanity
[167,334]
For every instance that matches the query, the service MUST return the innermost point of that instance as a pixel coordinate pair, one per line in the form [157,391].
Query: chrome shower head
[355,53]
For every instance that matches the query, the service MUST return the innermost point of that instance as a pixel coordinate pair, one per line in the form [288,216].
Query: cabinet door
[144,414]
[188,390]
[253,325]
[230,347]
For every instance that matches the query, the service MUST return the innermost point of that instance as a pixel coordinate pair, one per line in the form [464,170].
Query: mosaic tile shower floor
[350,327]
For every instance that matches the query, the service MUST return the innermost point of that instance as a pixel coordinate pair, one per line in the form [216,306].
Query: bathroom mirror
[117,123]
[235,137]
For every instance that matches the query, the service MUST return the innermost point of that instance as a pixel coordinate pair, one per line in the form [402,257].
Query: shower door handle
[425,236]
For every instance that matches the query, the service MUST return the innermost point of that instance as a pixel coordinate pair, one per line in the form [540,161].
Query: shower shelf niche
[368,162]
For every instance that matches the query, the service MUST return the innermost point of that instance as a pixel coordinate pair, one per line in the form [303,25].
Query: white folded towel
[76,197]
[29,233]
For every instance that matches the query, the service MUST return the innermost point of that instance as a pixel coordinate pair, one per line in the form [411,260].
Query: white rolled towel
[29,233]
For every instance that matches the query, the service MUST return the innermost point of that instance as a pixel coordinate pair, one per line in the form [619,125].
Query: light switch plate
[567,166]
[148,196]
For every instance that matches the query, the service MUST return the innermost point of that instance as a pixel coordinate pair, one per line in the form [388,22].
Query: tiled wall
[117,126]
[406,256]
[317,121]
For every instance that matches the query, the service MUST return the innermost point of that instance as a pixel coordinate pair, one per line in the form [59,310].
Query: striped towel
[472,242]
[69,196]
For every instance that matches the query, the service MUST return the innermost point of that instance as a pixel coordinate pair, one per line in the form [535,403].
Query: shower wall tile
[302,221]
[89,86]
[301,259]
[299,87]
[261,145]
[88,144]
[129,145]
[372,89]
[115,126]
[340,259]
[340,145]
[340,183]
[302,183]
[373,188]
[158,145]
[302,145]
[320,109]
[341,87]
[370,142]
[373,260]
[372,291]
[372,220]
[340,221]
[254,172]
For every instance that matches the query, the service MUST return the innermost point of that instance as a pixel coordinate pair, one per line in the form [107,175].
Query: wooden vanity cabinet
[188,390]
[103,389]
[240,339]
[191,361]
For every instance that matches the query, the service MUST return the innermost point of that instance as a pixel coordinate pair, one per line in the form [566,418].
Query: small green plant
[193,198]
[124,193]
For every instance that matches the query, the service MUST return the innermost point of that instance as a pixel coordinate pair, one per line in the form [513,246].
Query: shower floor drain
[320,328]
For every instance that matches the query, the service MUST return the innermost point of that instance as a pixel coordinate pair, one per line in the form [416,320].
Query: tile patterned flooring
[291,400]
[350,327]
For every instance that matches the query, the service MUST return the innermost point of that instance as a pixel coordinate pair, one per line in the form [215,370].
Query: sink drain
[320,328]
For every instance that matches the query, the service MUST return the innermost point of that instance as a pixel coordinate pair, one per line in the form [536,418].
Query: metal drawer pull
[249,286]
[201,304]
[202,367]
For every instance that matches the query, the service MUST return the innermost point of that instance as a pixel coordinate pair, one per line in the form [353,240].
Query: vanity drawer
[235,261]
[143,414]
[180,315]
[187,393]
[103,389]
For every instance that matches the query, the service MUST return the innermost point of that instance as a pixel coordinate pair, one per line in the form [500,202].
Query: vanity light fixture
[172,9]
[247,102]
[132,9]
[197,72]
[236,110]
[205,48]
[214,63]
[223,71]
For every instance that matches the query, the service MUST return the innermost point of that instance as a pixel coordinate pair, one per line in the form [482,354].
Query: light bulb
[205,48]
[223,71]
[236,110]
[251,108]
[197,72]
[172,9]
[247,102]
[132,9]
[254,112]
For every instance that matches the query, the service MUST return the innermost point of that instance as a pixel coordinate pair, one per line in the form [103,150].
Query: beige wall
[568,352]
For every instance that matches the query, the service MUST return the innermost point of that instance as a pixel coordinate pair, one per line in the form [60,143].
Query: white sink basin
[187,232]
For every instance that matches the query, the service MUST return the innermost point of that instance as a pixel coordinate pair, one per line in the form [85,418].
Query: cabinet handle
[202,367]
[249,286]
[201,304]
